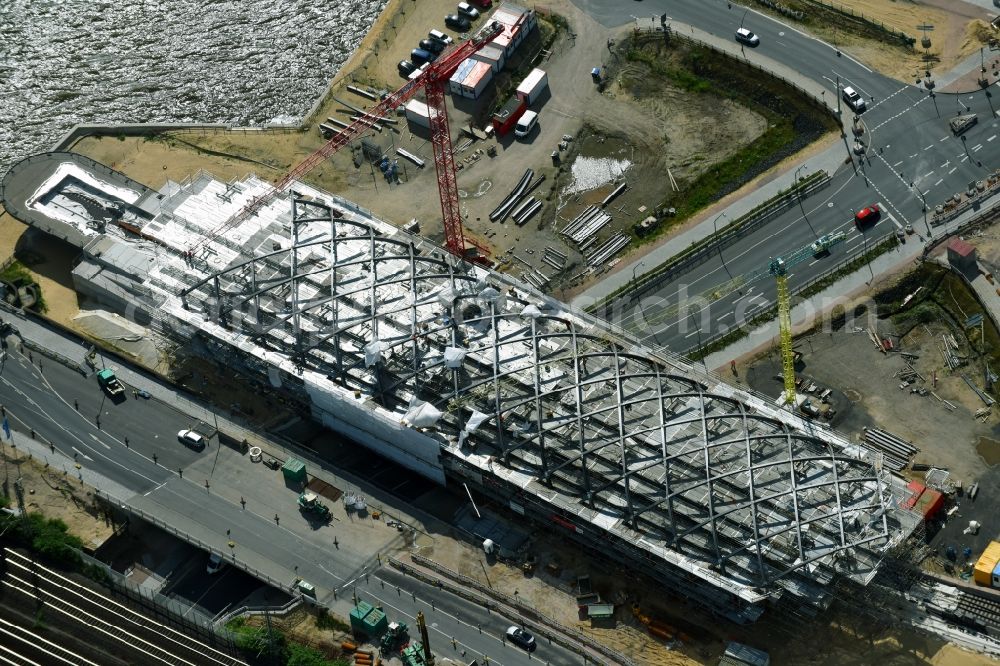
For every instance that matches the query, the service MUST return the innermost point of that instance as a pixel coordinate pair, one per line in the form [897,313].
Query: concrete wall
[366,423]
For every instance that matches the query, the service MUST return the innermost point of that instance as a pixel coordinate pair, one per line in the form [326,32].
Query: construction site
[455,361]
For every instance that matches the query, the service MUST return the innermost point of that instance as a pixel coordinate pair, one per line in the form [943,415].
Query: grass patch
[18,275]
[794,120]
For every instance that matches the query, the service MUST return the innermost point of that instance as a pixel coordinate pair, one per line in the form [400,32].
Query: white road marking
[95,438]
[928,174]
[991,138]
[946,165]
[929,147]
[953,170]
[976,149]
[944,138]
[940,180]
[81,453]
[690,334]
[724,316]
[813,263]
[897,164]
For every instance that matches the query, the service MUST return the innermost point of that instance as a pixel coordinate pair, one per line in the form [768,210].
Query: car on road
[191,438]
[405,67]
[456,22]
[867,216]
[432,45]
[521,638]
[468,11]
[853,99]
[745,36]
[215,563]
[143,393]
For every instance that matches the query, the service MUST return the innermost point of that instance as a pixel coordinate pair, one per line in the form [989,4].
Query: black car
[521,638]
[432,45]
[405,67]
[456,22]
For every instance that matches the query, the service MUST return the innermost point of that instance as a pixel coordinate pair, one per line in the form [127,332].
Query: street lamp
[795,178]
[715,232]
[697,327]
[637,267]
[924,202]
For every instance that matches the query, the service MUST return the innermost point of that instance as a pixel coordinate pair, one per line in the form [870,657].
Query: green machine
[294,471]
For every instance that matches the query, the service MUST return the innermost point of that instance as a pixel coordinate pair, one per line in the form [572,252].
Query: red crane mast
[433,81]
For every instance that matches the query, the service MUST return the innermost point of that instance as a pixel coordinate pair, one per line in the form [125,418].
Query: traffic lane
[32,405]
[690,329]
[150,426]
[451,616]
[259,540]
[781,41]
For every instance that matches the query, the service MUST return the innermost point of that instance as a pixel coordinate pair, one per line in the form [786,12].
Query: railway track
[98,615]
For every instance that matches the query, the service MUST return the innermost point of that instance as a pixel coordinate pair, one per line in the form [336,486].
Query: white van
[526,123]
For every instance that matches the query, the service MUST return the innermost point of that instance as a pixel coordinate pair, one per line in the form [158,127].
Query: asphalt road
[912,157]
[62,407]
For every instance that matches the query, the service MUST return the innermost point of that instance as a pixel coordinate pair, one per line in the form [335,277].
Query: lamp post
[637,267]
[795,178]
[924,202]
[715,231]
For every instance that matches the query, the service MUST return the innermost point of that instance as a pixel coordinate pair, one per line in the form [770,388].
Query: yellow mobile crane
[778,268]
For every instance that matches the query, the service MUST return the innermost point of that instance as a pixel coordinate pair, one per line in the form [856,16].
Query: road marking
[977,148]
[146,494]
[953,170]
[96,439]
[945,165]
[929,147]
[813,263]
[81,453]
[690,334]
[928,174]
[914,155]
[724,316]
[940,180]
[991,138]
[897,164]
[964,158]
[944,138]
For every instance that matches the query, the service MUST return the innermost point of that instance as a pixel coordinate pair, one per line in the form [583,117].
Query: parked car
[521,638]
[405,67]
[215,563]
[854,100]
[744,36]
[486,4]
[440,36]
[432,45]
[420,56]
[456,22]
[867,216]
[468,11]
[191,438]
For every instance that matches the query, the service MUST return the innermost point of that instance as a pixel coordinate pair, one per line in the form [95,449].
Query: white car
[214,563]
[468,11]
[854,100]
[746,37]
[191,438]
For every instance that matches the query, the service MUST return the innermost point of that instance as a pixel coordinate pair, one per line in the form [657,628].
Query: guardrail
[559,631]
[184,536]
[702,250]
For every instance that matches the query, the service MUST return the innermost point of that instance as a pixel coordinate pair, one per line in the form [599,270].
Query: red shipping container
[505,118]
[929,504]
[916,489]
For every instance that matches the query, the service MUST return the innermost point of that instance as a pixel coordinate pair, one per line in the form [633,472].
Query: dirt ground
[55,492]
[958,28]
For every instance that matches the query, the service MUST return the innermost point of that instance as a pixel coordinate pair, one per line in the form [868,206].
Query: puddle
[989,449]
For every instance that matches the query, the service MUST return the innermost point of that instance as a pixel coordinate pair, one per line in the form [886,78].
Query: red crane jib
[433,81]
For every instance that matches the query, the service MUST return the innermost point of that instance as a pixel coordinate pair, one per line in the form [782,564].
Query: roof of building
[961,248]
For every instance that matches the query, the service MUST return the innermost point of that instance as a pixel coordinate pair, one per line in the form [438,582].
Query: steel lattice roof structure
[635,450]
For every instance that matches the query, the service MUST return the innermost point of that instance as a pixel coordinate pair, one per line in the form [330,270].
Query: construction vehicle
[434,82]
[110,384]
[309,503]
[393,639]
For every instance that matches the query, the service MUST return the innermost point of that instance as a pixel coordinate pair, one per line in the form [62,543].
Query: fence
[877,26]
[991,185]
[169,612]
[702,250]
[184,536]
[558,631]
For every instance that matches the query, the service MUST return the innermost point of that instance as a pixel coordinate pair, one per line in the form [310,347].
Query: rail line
[112,620]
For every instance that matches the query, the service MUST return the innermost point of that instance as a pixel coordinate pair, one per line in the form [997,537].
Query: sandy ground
[956,35]
[55,492]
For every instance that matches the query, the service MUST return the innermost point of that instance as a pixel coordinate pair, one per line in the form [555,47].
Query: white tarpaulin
[453,357]
[373,352]
[422,414]
[474,422]
[491,295]
[531,311]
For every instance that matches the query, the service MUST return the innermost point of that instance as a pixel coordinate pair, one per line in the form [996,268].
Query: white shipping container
[491,55]
[532,86]
[475,83]
[461,74]
[418,113]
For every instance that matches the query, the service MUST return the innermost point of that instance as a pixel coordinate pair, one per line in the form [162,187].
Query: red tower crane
[433,81]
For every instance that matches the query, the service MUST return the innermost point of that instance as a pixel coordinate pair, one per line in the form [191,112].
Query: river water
[250,62]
